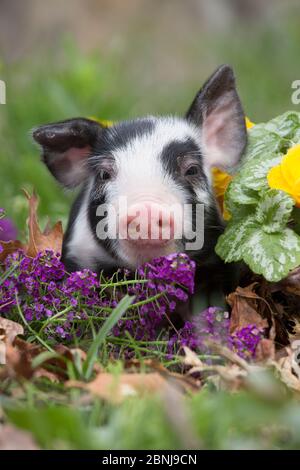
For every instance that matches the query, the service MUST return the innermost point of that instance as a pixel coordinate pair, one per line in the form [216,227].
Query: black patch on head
[177,148]
[170,156]
[69,264]
[94,219]
[121,134]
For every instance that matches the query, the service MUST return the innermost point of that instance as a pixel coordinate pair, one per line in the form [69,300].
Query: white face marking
[82,247]
[140,172]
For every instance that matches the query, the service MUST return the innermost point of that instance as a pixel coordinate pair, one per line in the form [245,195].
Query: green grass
[213,420]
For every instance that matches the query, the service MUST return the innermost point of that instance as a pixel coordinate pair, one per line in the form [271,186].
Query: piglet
[146,184]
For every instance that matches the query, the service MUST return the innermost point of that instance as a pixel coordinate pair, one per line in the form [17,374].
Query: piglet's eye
[193,170]
[105,175]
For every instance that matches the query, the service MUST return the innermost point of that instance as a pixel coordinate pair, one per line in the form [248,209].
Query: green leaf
[285,125]
[274,210]
[261,141]
[254,174]
[272,254]
[238,194]
[230,245]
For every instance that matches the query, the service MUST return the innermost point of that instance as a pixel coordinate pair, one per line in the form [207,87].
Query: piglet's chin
[141,251]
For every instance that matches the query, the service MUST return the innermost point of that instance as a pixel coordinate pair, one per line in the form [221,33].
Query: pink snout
[147,223]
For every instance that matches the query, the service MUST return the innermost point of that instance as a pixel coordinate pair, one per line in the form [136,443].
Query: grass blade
[109,323]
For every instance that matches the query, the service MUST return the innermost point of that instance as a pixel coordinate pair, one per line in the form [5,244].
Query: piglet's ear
[218,111]
[66,146]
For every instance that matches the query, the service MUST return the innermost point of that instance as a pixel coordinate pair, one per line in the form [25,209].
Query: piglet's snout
[147,223]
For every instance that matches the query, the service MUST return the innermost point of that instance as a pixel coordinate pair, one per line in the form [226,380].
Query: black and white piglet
[152,162]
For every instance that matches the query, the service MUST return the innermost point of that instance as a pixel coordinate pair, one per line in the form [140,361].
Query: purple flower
[245,340]
[8,230]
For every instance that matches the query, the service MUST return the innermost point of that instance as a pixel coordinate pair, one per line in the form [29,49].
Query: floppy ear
[66,146]
[218,111]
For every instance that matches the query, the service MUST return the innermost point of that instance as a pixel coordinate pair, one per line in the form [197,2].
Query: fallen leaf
[10,247]
[17,364]
[245,309]
[41,372]
[115,388]
[228,354]
[191,358]
[265,350]
[50,239]
[9,330]
[12,438]
[289,371]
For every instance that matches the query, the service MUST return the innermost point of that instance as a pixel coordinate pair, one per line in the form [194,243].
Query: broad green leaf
[238,194]
[239,211]
[254,174]
[296,137]
[231,244]
[260,142]
[272,254]
[274,210]
[285,125]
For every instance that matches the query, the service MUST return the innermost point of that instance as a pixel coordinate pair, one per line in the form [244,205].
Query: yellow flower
[249,124]
[286,175]
[220,182]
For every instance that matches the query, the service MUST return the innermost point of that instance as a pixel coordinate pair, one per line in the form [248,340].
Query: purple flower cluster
[41,288]
[214,324]
[169,279]
[245,340]
[211,324]
[59,305]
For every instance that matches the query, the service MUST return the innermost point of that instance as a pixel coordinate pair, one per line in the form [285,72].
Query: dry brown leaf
[228,354]
[12,438]
[41,372]
[9,248]
[18,364]
[288,369]
[115,388]
[134,363]
[191,358]
[245,309]
[19,358]
[50,239]
[265,350]
[291,283]
[9,330]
